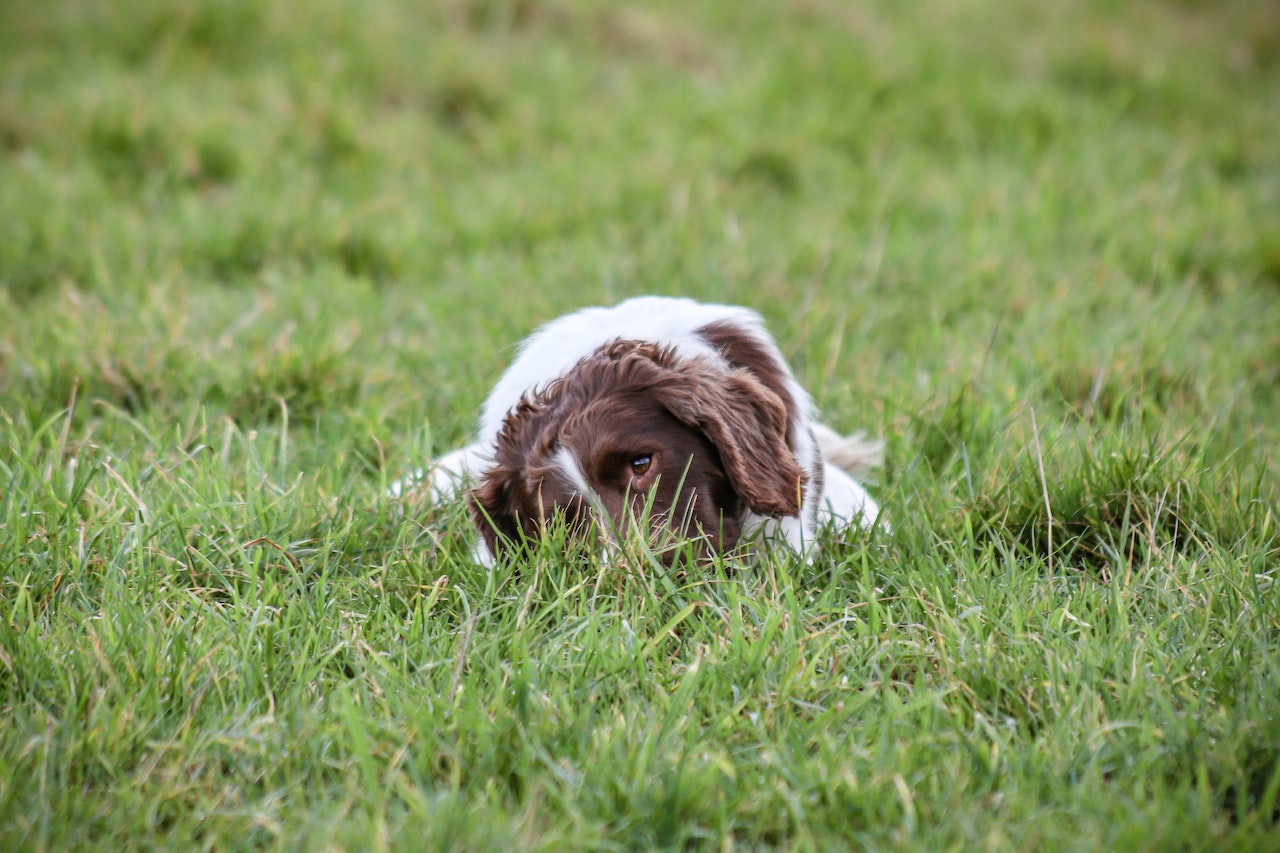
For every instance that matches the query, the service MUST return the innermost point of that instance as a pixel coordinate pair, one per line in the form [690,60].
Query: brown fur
[745,351]
[718,440]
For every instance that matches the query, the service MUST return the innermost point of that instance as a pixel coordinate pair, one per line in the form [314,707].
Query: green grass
[257,260]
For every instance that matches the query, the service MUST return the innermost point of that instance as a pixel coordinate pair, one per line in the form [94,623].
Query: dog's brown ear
[494,510]
[748,424]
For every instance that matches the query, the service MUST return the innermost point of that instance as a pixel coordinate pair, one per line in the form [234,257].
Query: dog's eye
[641,464]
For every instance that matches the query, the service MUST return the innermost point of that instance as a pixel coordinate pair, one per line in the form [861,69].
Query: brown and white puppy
[677,414]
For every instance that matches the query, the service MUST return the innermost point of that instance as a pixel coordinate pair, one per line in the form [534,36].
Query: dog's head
[635,431]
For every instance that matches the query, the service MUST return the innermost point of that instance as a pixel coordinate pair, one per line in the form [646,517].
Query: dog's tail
[855,453]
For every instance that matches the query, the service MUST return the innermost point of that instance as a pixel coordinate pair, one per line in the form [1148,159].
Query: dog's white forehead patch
[571,469]
[569,466]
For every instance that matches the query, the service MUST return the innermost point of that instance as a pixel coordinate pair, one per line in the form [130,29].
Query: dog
[677,418]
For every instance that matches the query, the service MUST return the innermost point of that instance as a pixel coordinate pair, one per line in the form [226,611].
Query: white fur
[554,349]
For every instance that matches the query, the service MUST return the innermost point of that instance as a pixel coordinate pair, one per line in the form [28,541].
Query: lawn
[258,259]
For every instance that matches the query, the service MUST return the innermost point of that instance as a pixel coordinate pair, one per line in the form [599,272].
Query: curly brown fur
[715,439]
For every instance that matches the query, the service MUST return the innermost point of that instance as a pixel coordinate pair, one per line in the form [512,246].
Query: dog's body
[680,412]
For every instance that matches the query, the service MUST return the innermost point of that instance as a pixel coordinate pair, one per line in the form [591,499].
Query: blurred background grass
[355,205]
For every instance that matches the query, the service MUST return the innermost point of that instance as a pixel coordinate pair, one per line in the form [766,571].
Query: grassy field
[258,259]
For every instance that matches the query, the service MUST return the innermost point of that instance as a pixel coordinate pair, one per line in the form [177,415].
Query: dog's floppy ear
[494,510]
[748,425]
